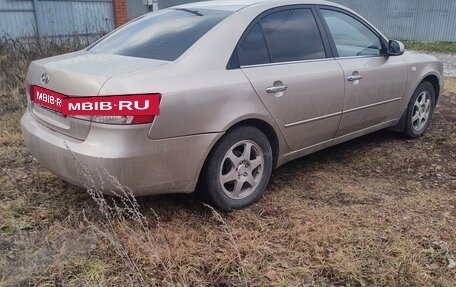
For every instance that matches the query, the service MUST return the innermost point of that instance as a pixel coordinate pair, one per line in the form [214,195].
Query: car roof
[236,5]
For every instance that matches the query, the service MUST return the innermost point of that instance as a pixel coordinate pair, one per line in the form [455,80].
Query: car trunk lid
[79,74]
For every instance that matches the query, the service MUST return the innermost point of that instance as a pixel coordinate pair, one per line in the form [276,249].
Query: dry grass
[377,211]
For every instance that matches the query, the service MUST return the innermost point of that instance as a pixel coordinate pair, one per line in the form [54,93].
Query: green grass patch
[446,47]
[92,272]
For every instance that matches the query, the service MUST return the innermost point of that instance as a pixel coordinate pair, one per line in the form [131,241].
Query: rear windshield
[164,35]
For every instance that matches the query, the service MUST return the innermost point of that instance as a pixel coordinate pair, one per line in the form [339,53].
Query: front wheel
[238,169]
[420,110]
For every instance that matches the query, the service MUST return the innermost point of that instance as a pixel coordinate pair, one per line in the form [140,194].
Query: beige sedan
[245,86]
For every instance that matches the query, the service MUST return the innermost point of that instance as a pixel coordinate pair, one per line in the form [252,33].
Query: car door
[374,82]
[285,58]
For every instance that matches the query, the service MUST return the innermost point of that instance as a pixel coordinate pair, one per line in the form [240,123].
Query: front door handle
[355,76]
[276,89]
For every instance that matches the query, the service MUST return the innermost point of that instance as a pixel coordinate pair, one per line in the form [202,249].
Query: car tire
[238,169]
[420,110]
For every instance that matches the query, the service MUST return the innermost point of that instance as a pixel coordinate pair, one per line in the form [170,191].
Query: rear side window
[253,49]
[292,35]
[164,35]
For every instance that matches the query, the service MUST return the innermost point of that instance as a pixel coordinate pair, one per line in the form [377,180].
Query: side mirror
[395,48]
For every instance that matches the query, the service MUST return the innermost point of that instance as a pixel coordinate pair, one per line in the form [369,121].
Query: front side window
[352,38]
[292,35]
[164,35]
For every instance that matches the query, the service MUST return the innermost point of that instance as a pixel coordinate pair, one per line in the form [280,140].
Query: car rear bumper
[120,154]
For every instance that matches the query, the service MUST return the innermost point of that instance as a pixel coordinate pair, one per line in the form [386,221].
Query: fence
[423,20]
[136,8]
[55,18]
[420,20]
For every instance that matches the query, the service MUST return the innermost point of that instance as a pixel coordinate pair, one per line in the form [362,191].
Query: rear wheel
[420,110]
[238,169]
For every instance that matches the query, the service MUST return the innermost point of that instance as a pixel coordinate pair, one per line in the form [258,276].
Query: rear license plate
[47,98]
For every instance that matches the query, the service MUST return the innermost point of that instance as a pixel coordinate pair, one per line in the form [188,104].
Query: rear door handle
[276,89]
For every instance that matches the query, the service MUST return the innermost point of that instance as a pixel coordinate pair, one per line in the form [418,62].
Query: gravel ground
[449,62]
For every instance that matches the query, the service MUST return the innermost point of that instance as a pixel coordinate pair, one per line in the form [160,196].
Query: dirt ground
[375,211]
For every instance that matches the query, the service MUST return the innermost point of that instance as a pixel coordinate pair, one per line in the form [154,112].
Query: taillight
[29,90]
[142,119]
[119,120]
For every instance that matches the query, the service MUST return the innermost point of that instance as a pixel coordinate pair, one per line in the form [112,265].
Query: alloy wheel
[242,169]
[421,110]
